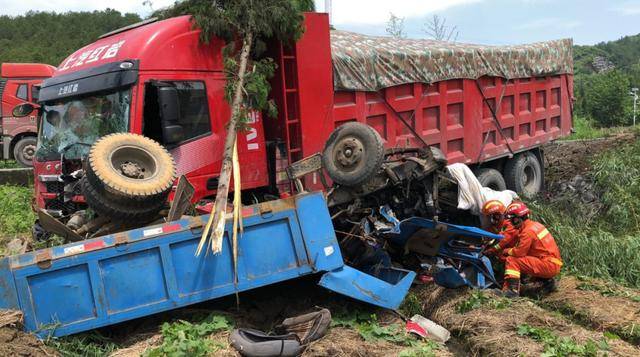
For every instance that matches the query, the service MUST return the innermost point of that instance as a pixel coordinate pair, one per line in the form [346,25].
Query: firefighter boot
[511,288]
[548,286]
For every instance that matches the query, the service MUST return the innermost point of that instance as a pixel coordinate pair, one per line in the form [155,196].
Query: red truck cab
[19,85]
[155,76]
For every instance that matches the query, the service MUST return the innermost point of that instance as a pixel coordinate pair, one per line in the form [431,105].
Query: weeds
[90,344]
[183,338]
[561,346]
[584,129]
[604,246]
[607,290]
[16,215]
[478,299]
[8,164]
[412,305]
[370,330]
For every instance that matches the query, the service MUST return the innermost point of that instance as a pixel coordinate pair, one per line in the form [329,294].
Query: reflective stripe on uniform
[497,247]
[513,273]
[555,261]
[543,234]
[510,251]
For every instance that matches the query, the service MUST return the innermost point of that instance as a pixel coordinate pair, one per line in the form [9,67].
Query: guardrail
[19,176]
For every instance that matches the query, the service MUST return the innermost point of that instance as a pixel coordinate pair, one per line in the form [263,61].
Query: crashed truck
[347,181]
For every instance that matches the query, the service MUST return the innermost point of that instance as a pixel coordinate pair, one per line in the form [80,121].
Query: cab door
[201,115]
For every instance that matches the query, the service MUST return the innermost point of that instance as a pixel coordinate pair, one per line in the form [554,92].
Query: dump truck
[489,107]
[370,121]
[19,109]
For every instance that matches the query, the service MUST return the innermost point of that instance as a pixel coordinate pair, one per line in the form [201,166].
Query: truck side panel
[453,116]
[103,281]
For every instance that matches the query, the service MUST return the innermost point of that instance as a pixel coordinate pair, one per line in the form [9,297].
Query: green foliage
[478,299]
[262,22]
[183,338]
[608,289]
[90,344]
[8,164]
[48,37]
[370,330]
[16,215]
[614,233]
[561,346]
[604,97]
[411,305]
[585,128]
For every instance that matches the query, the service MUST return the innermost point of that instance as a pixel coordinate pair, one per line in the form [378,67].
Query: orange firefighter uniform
[533,253]
[495,211]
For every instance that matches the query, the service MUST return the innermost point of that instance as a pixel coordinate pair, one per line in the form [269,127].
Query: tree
[395,26]
[605,98]
[249,23]
[437,29]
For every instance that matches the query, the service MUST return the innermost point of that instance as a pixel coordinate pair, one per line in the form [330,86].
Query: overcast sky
[479,21]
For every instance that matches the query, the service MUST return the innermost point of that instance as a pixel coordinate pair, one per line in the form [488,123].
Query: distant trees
[395,26]
[604,98]
[436,28]
[49,37]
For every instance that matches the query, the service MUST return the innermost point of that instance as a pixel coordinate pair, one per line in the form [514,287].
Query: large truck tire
[353,154]
[523,174]
[24,151]
[131,166]
[106,205]
[491,178]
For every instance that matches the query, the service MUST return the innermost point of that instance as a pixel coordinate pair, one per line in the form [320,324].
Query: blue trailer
[107,280]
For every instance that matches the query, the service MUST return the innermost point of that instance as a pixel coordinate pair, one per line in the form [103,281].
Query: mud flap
[386,289]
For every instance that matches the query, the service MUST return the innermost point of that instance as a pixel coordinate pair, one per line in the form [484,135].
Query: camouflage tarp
[369,63]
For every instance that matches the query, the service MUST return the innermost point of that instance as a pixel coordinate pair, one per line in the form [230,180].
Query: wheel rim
[28,151]
[133,162]
[349,153]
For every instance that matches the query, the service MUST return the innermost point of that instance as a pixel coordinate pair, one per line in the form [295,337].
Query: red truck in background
[150,79]
[19,86]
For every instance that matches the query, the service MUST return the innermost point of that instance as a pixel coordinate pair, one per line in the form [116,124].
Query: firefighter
[495,211]
[534,253]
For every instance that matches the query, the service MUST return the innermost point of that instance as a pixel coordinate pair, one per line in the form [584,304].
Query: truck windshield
[81,121]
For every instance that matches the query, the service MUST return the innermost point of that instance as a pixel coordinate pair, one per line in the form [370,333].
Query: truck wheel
[106,205]
[491,178]
[353,154]
[523,174]
[25,150]
[131,166]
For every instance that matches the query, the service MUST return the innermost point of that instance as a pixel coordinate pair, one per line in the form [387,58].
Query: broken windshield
[70,126]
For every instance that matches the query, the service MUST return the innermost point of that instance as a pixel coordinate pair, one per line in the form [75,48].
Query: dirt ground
[580,311]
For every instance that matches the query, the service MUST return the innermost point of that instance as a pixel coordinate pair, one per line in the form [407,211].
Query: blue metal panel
[133,280]
[387,290]
[319,237]
[8,295]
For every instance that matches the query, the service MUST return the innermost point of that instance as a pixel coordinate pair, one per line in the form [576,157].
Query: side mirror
[169,104]
[23,110]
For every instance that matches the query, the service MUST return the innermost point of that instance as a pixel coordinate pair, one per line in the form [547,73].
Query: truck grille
[55,187]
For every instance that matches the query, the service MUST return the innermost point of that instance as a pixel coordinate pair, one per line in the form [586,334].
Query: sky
[477,21]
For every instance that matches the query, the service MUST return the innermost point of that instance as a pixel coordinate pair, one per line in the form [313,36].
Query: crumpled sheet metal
[371,63]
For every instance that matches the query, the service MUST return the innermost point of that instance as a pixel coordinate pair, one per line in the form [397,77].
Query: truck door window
[193,109]
[22,92]
[35,93]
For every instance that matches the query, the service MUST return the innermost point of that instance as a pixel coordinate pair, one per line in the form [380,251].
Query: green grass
[90,344]
[370,330]
[8,164]
[478,299]
[183,338]
[562,346]
[585,129]
[606,246]
[16,215]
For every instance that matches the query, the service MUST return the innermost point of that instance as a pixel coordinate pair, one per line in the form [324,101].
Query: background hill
[50,37]
[604,72]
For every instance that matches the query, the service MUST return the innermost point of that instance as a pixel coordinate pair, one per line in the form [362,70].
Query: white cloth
[471,195]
